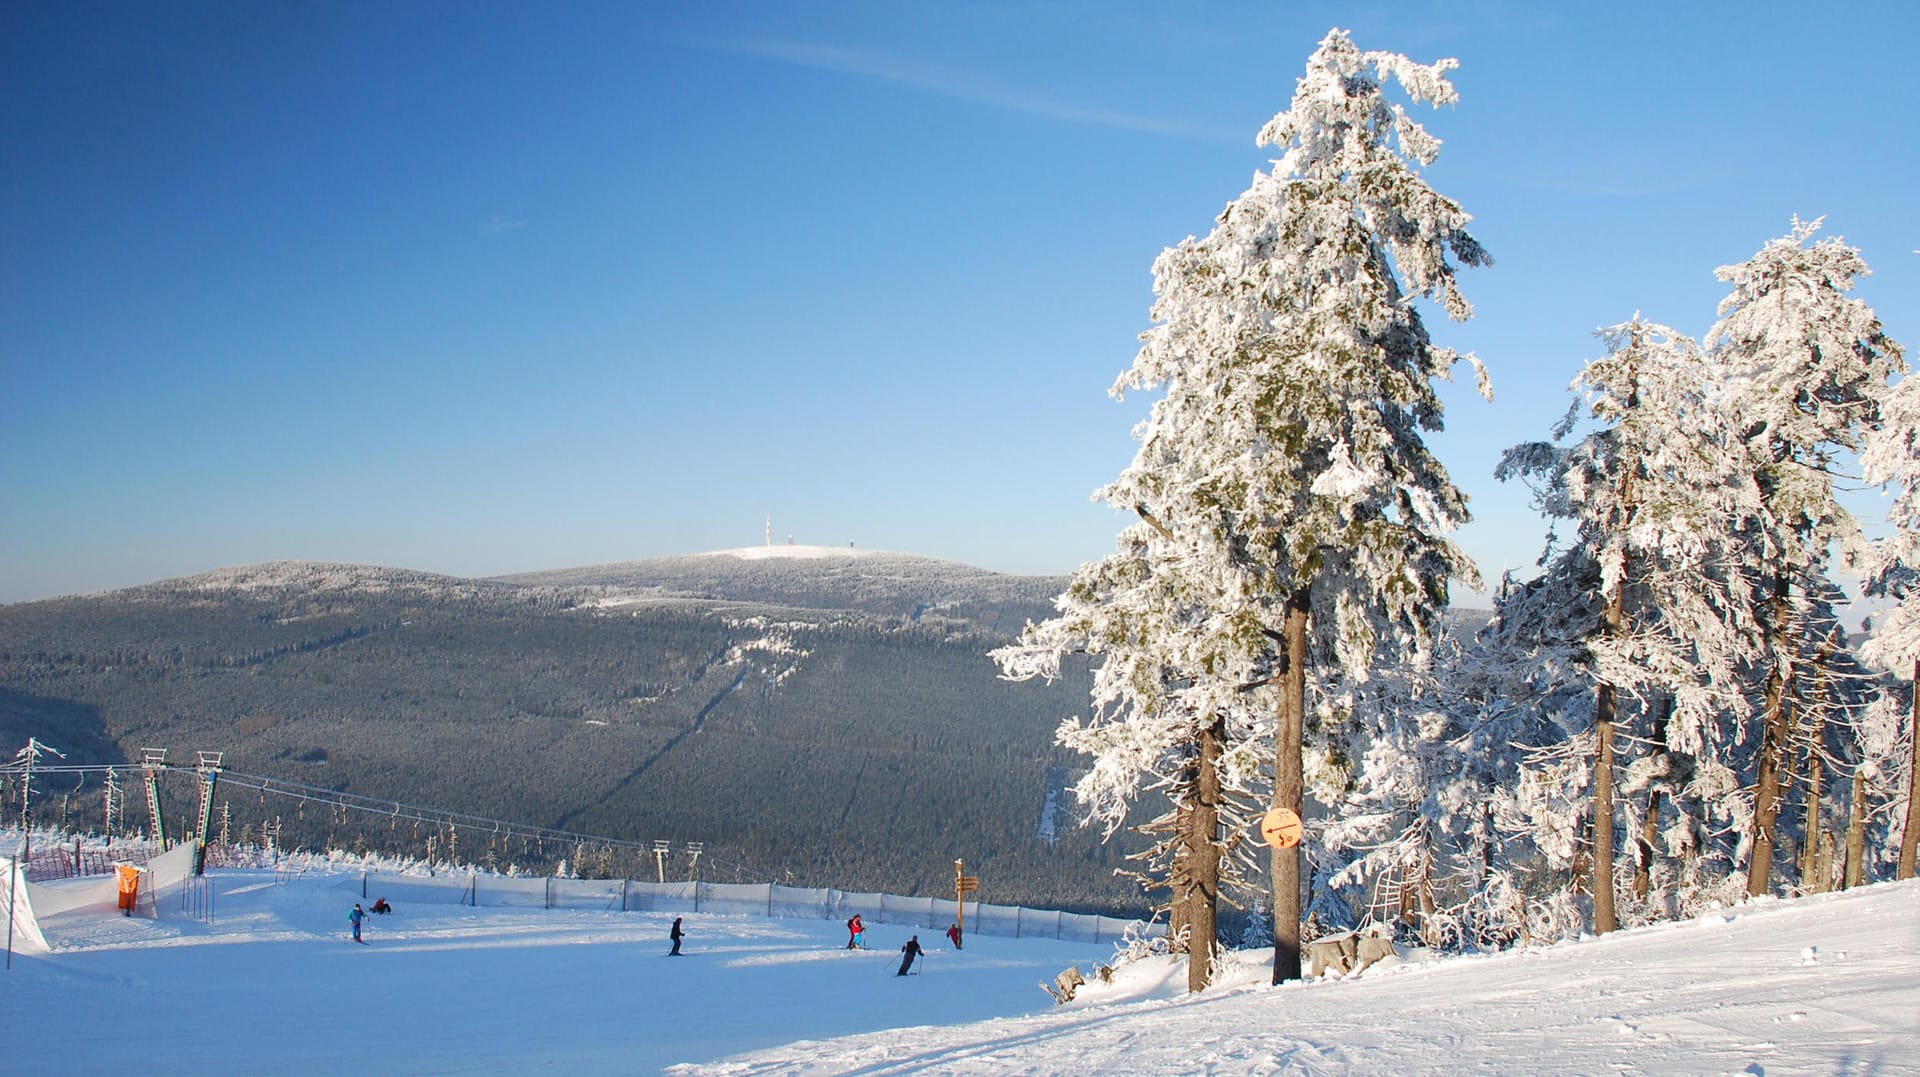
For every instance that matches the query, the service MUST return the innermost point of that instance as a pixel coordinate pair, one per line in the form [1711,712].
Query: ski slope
[1829,984]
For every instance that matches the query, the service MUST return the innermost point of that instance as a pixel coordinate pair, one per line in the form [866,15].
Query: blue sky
[486,288]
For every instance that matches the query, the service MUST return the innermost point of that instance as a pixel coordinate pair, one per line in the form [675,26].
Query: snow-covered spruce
[1637,624]
[1154,728]
[1807,367]
[1891,743]
[1294,520]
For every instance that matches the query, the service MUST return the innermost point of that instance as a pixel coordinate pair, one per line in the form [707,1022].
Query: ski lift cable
[342,800]
[434,816]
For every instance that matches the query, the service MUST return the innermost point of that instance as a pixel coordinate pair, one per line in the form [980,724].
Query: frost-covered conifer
[1284,463]
[1414,839]
[1808,368]
[1892,458]
[1835,702]
[1643,606]
[1157,726]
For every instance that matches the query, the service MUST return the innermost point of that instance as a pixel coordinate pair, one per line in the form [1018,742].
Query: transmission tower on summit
[769,528]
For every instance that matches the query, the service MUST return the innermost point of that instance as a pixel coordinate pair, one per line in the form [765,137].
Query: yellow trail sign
[1281,828]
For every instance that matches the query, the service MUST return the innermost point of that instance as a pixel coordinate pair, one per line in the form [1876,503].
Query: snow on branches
[1892,565]
[1286,448]
[1282,485]
[1271,621]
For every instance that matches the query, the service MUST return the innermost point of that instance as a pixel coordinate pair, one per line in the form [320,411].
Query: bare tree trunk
[1650,825]
[1810,855]
[1773,746]
[1648,843]
[1604,919]
[1856,870]
[1486,847]
[1199,837]
[1289,789]
[1910,841]
[1604,711]
[1409,911]
[1816,864]
[1428,930]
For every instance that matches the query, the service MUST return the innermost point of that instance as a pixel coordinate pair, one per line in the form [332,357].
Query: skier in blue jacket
[358,914]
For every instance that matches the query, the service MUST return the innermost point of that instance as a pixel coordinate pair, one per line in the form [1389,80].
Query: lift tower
[208,767]
[152,762]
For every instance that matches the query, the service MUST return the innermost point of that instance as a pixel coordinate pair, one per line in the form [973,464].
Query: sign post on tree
[1281,828]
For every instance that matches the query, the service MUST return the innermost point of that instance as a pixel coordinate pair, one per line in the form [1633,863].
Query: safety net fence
[161,879]
[746,899]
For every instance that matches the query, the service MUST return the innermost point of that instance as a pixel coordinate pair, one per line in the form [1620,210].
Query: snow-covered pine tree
[1527,684]
[1414,840]
[1832,701]
[1159,724]
[1285,457]
[1880,812]
[1808,367]
[1645,601]
[1892,458]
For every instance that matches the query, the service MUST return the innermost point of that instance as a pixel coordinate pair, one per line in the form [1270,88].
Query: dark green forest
[833,722]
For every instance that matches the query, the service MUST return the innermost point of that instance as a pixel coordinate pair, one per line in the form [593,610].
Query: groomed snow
[1819,985]
[1825,985]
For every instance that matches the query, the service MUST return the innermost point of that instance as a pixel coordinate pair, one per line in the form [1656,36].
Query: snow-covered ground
[790,552]
[1823,985]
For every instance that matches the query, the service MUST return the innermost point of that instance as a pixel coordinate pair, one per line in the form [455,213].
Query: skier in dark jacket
[911,950]
[676,934]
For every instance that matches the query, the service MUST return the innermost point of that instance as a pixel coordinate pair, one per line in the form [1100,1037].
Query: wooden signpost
[963,884]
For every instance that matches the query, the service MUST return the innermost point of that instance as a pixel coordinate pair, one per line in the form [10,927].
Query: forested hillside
[829,719]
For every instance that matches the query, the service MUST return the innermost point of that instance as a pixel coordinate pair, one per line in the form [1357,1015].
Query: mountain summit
[776,704]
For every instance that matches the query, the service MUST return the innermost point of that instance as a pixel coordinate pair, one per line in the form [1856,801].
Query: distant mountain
[822,577]
[819,714]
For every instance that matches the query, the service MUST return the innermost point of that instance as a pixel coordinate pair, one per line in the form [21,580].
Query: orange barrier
[129,887]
